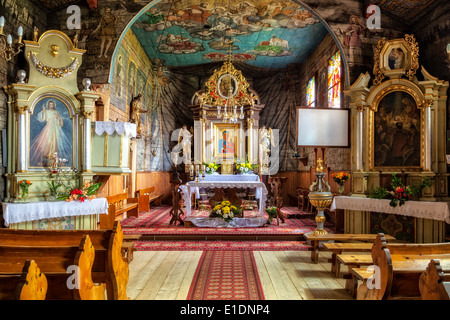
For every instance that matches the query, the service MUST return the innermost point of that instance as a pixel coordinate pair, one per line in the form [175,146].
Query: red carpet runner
[226,275]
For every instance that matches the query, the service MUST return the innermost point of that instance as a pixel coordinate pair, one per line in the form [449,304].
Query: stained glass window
[334,81]
[311,93]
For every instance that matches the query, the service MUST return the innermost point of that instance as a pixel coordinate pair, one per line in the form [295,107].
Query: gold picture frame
[397,130]
[396,58]
[226,141]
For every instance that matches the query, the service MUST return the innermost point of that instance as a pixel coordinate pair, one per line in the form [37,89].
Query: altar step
[224,237]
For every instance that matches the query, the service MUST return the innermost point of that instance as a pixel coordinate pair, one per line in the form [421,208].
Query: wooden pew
[146,197]
[118,205]
[338,248]
[30,285]
[434,284]
[107,268]
[315,239]
[54,262]
[400,267]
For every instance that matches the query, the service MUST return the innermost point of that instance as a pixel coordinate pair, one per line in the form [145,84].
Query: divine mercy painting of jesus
[51,130]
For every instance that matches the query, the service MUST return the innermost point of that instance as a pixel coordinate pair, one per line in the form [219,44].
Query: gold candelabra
[8,47]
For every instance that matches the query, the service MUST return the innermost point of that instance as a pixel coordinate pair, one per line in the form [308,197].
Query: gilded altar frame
[430,98]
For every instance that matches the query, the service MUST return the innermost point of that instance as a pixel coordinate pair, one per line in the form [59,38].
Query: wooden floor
[284,275]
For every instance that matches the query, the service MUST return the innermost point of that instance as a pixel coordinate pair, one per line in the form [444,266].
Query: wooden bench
[146,197]
[315,240]
[118,205]
[338,248]
[434,284]
[109,266]
[400,267]
[30,285]
[54,261]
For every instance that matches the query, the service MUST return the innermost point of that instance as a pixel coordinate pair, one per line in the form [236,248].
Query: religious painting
[51,131]
[334,81]
[131,87]
[227,86]
[226,140]
[396,59]
[397,129]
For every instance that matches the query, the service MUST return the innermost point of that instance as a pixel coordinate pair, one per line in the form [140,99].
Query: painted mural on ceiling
[270,34]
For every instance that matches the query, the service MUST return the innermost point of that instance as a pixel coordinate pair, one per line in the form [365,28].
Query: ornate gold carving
[319,167]
[360,107]
[87,114]
[55,50]
[51,72]
[426,103]
[414,47]
[21,109]
[379,76]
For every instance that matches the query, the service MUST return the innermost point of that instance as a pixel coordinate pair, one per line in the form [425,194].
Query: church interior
[224,150]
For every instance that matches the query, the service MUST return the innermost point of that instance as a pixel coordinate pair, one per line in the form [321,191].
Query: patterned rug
[202,245]
[156,222]
[226,275]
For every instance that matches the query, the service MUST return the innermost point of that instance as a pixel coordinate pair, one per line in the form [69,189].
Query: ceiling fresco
[270,34]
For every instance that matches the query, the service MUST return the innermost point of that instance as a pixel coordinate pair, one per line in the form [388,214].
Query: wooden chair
[434,284]
[118,205]
[106,267]
[400,268]
[30,285]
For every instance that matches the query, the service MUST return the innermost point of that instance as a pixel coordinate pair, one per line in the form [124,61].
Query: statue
[185,137]
[136,111]
[265,142]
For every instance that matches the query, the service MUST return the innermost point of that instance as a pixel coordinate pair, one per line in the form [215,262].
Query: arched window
[311,93]
[334,81]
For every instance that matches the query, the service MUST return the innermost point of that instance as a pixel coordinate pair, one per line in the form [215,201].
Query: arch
[344,57]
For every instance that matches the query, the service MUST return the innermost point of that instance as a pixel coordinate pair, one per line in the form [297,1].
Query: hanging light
[9,48]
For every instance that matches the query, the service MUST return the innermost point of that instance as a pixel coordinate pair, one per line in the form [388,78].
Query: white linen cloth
[419,209]
[229,177]
[110,127]
[20,212]
[192,186]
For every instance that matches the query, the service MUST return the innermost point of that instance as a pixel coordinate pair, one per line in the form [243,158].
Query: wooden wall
[115,184]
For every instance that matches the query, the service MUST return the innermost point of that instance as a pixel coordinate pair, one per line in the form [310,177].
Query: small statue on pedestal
[185,138]
[265,142]
[136,111]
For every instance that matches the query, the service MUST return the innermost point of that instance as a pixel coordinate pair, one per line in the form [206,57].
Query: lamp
[8,47]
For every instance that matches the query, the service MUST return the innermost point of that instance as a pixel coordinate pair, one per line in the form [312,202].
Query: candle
[20,31]
[2,22]
[9,39]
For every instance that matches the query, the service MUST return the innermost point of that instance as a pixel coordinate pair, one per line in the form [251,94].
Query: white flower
[219,212]
[246,169]
[225,215]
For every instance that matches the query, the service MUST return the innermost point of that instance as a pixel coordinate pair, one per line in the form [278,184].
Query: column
[22,113]
[359,138]
[86,152]
[428,140]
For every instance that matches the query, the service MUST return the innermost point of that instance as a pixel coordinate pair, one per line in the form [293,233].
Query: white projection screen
[324,127]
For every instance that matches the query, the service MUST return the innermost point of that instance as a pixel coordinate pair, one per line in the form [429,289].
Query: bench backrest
[117,199]
[146,190]
[431,282]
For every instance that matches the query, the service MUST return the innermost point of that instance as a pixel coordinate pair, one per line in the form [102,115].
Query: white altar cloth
[110,127]
[193,186]
[20,212]
[229,177]
[419,209]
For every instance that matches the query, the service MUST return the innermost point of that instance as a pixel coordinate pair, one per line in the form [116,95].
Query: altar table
[15,213]
[226,181]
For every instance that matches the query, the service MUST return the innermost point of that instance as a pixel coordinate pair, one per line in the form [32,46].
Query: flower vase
[24,194]
[341,189]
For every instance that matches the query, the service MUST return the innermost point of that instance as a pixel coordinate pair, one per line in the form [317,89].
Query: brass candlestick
[320,197]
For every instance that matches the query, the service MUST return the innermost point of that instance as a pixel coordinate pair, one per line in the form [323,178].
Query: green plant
[53,187]
[378,193]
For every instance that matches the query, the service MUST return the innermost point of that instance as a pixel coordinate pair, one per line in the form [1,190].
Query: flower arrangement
[88,191]
[245,167]
[400,193]
[224,210]
[340,178]
[211,167]
[272,212]
[24,185]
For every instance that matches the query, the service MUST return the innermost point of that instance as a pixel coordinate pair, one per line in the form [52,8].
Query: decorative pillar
[428,134]
[359,138]
[250,139]
[87,100]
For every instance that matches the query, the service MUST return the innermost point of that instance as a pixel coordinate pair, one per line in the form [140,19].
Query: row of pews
[379,268]
[63,264]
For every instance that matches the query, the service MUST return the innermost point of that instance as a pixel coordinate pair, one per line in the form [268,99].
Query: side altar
[50,139]
[398,125]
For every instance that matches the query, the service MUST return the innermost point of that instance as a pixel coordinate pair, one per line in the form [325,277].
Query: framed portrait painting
[397,132]
[226,140]
[51,130]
